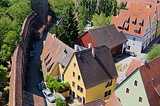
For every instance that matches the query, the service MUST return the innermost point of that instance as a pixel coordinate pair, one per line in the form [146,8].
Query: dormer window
[48,61]
[134,21]
[119,27]
[141,23]
[65,51]
[121,24]
[137,30]
[127,20]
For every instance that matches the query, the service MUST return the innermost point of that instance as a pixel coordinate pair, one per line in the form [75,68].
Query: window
[109,83]
[74,65]
[135,83]
[79,98]
[62,66]
[70,92]
[140,99]
[62,76]
[83,100]
[74,74]
[107,93]
[78,77]
[134,39]
[73,84]
[47,57]
[127,90]
[81,90]
[78,88]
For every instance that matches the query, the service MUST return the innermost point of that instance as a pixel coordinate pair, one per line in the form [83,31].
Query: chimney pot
[76,47]
[93,52]
[89,45]
[53,35]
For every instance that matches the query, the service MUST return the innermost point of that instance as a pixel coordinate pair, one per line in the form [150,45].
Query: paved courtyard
[124,61]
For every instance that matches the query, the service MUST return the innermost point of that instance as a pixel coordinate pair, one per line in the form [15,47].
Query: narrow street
[33,71]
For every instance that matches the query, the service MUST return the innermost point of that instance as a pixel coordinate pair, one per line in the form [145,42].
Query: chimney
[89,45]
[76,47]
[53,35]
[93,52]
[148,5]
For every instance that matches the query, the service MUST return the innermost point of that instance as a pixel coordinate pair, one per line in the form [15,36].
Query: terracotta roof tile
[55,51]
[98,69]
[132,67]
[134,17]
[113,100]
[150,74]
[97,102]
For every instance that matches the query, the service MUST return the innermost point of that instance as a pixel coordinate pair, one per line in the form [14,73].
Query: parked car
[48,95]
[131,53]
[40,85]
[31,54]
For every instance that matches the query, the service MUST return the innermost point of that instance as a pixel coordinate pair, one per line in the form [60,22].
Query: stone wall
[19,62]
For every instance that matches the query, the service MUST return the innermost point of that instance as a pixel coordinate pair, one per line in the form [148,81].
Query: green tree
[19,11]
[5,53]
[60,6]
[113,12]
[101,20]
[59,102]
[155,52]
[122,5]
[109,7]
[3,73]
[71,26]
[83,18]
[102,6]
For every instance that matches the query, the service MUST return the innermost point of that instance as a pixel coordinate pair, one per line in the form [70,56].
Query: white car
[89,24]
[48,95]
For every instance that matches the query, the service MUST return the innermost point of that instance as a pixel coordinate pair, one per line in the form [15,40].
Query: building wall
[131,99]
[85,39]
[60,70]
[153,26]
[134,45]
[99,91]
[68,77]
[116,50]
[158,29]
[54,72]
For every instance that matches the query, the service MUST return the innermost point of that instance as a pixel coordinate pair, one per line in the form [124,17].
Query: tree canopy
[155,52]
[101,20]
[59,102]
[60,6]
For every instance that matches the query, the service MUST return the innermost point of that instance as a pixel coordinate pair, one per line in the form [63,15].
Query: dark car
[40,85]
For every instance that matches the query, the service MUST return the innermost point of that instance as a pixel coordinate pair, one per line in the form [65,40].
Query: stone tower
[41,8]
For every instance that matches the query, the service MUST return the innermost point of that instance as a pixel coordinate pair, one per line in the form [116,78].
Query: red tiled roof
[113,100]
[132,67]
[151,73]
[97,102]
[152,2]
[132,16]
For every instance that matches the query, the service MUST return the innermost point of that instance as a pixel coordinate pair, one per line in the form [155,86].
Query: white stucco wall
[134,45]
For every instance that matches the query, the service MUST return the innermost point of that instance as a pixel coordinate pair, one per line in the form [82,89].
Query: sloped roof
[32,99]
[152,2]
[96,70]
[97,102]
[151,72]
[55,51]
[108,35]
[132,67]
[131,16]
[142,8]
[113,100]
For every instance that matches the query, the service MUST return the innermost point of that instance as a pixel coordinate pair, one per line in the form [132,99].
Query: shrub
[59,102]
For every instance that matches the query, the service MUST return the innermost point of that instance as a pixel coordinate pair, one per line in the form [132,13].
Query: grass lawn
[118,68]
